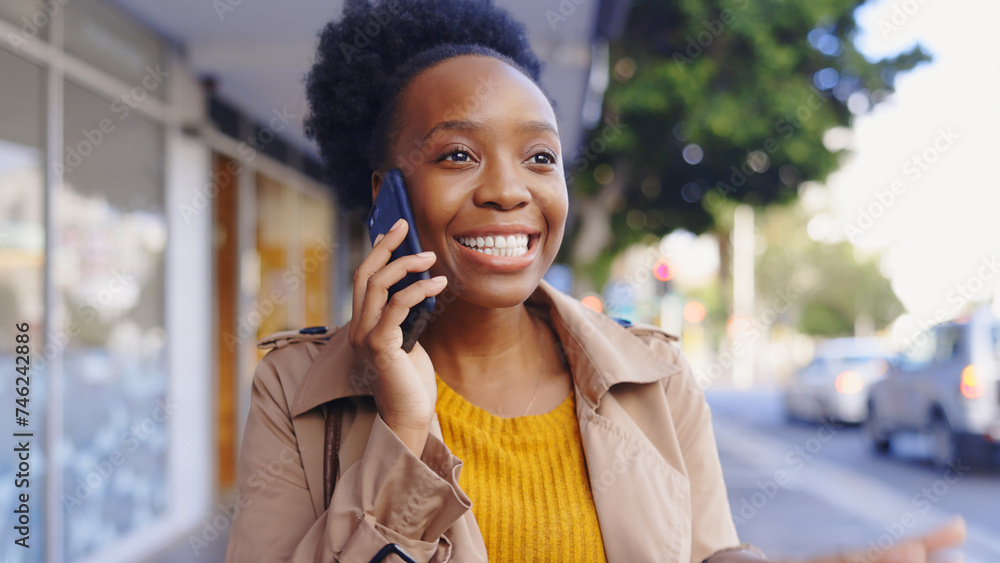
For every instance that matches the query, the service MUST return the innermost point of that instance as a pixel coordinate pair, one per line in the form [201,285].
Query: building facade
[157,217]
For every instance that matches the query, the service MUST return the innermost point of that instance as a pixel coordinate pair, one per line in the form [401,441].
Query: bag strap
[331,448]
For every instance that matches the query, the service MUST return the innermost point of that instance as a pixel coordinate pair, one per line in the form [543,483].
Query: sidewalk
[182,552]
[792,504]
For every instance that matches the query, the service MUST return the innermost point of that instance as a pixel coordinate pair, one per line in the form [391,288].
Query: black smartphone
[392,204]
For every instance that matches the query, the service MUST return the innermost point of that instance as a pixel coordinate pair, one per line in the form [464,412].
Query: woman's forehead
[475,90]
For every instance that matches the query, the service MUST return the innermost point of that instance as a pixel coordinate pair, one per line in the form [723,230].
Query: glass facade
[22,283]
[108,271]
[103,294]
[88,241]
[98,35]
[295,250]
[275,308]
[317,228]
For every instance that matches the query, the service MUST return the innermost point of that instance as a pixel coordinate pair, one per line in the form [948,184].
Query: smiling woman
[505,433]
[521,425]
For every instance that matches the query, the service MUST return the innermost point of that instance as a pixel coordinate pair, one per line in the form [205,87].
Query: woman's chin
[493,294]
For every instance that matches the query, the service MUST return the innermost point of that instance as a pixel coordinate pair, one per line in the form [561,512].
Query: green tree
[716,99]
[834,287]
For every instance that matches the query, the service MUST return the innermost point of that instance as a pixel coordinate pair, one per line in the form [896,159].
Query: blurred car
[834,386]
[945,387]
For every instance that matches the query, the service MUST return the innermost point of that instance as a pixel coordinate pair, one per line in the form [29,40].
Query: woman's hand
[404,388]
[920,549]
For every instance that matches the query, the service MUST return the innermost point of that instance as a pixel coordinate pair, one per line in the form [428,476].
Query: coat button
[313,330]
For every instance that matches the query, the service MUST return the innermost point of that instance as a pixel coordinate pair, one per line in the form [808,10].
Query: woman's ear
[376,183]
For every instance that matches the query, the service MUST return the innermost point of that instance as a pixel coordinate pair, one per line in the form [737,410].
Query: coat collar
[601,353]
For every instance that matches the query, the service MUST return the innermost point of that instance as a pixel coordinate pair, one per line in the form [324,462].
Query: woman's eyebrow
[537,127]
[455,125]
[532,126]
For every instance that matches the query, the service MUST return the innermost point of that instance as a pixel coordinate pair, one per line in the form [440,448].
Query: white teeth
[508,246]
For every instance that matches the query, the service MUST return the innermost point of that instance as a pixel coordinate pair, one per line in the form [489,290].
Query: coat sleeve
[389,496]
[711,518]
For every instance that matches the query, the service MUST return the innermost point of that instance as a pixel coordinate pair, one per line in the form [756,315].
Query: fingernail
[378,238]
[425,254]
[439,279]
[396,225]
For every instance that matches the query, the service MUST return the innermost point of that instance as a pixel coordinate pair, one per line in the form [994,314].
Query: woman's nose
[502,187]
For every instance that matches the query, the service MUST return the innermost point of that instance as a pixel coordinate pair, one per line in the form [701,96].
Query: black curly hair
[368,57]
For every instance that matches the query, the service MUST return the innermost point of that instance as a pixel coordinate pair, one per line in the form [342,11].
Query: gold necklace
[538,382]
[535,394]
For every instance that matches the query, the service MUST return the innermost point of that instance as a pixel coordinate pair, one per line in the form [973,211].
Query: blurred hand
[919,549]
[404,387]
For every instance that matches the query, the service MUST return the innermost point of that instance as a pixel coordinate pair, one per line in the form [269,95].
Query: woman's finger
[950,534]
[377,289]
[921,549]
[387,328]
[378,257]
[910,551]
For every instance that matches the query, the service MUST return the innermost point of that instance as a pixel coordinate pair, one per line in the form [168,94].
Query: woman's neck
[474,347]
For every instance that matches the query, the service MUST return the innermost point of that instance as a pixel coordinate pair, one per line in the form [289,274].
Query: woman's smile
[497,247]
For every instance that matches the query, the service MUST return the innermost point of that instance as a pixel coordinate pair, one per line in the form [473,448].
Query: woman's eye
[460,156]
[544,158]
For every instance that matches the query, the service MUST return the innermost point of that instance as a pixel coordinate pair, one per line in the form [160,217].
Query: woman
[521,426]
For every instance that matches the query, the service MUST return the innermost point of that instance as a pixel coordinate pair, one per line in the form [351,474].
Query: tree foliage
[720,97]
[833,286]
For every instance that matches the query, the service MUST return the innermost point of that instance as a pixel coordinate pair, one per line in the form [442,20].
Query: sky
[921,186]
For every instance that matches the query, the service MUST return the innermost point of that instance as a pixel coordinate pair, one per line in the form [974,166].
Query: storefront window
[108,272]
[83,254]
[22,298]
[101,37]
[295,247]
[276,305]
[317,254]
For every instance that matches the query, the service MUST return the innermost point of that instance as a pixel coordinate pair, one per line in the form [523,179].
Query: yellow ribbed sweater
[526,478]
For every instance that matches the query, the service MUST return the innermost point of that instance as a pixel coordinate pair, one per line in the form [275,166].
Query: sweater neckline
[456,404]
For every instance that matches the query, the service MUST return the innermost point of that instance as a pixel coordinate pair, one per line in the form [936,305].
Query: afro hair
[368,57]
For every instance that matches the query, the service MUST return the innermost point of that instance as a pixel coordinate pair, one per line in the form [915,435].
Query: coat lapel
[310,432]
[642,502]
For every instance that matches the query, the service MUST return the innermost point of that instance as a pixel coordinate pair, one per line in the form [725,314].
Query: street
[797,489]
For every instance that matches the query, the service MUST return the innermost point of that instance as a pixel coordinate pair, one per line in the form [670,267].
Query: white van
[946,386]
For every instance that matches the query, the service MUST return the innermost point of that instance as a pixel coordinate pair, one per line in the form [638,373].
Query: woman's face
[478,146]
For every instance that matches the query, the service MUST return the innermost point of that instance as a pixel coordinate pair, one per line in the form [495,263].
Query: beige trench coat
[646,430]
